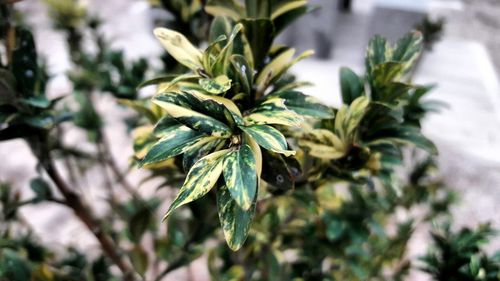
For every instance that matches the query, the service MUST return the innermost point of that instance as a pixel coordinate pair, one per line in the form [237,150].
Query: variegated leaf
[321,151]
[303,104]
[217,85]
[180,48]
[287,6]
[195,120]
[234,220]
[278,66]
[199,150]
[221,63]
[408,49]
[269,138]
[240,175]
[173,143]
[227,8]
[200,180]
[273,111]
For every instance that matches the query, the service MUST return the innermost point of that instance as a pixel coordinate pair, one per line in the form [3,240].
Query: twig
[81,210]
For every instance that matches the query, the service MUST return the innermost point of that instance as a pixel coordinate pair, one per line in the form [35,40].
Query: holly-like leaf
[240,176]
[234,220]
[200,179]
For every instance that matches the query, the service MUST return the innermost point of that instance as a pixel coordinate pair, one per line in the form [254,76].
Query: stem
[83,212]
[119,176]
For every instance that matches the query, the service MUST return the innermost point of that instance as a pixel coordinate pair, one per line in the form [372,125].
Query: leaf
[229,8]
[200,180]
[195,120]
[217,85]
[221,64]
[287,6]
[199,150]
[243,71]
[405,135]
[24,62]
[260,35]
[157,80]
[240,176]
[303,105]
[322,151]
[139,258]
[408,49]
[41,188]
[279,65]
[269,138]
[139,222]
[282,21]
[180,48]
[378,52]
[7,87]
[234,220]
[273,111]
[173,143]
[281,172]
[351,85]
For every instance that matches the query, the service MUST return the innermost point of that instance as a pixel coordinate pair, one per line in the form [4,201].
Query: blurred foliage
[432,30]
[302,191]
[459,256]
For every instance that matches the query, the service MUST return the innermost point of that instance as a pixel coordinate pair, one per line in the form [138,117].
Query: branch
[83,212]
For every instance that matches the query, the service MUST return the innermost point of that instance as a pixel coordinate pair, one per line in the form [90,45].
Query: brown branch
[83,212]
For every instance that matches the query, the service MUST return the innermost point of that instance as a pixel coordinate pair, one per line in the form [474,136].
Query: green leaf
[260,35]
[200,179]
[303,105]
[284,20]
[241,176]
[173,143]
[243,71]
[180,48]
[269,138]
[351,85]
[139,258]
[279,171]
[139,222]
[41,188]
[24,62]
[7,87]
[217,85]
[157,80]
[234,220]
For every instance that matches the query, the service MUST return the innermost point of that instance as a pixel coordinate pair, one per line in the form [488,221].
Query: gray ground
[479,21]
